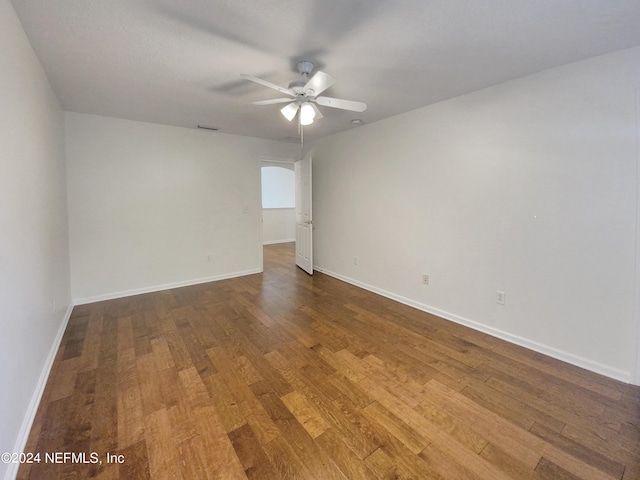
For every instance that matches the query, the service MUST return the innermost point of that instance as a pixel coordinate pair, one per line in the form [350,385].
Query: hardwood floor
[283,375]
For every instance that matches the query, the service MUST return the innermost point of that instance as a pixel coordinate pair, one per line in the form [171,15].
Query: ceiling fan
[304,94]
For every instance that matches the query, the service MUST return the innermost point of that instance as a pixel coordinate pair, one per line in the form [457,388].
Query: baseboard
[32,409]
[567,357]
[158,288]
[272,242]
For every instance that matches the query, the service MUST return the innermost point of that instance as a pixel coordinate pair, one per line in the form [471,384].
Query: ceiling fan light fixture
[307,114]
[289,111]
[305,95]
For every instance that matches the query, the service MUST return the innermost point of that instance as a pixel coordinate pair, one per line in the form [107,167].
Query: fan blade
[271,102]
[289,111]
[318,84]
[343,104]
[317,110]
[286,91]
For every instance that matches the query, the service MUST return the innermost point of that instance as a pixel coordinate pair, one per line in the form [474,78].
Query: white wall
[278,186]
[528,187]
[153,206]
[279,225]
[34,251]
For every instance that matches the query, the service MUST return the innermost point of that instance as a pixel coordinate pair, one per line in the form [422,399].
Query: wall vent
[204,127]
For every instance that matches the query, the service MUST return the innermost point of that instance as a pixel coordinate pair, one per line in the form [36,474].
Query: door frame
[636,306]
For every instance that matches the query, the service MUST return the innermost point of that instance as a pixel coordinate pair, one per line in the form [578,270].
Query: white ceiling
[178,62]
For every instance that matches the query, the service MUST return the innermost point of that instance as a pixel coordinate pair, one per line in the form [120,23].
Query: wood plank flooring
[285,376]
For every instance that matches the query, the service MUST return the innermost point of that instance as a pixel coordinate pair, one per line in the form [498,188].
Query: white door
[304,220]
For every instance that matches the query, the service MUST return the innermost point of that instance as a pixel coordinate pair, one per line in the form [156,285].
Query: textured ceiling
[178,62]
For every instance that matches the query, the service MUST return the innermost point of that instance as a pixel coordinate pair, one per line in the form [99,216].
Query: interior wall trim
[30,415]
[567,357]
[286,240]
[158,288]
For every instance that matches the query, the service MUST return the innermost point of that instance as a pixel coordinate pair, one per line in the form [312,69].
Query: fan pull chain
[301,133]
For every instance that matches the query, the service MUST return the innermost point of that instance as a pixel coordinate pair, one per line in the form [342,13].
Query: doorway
[278,201]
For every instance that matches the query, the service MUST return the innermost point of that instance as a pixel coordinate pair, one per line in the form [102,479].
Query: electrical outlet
[355,260]
[500,297]
[208,257]
[425,279]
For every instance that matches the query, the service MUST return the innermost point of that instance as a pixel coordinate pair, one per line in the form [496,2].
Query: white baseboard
[272,242]
[567,357]
[157,288]
[30,415]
